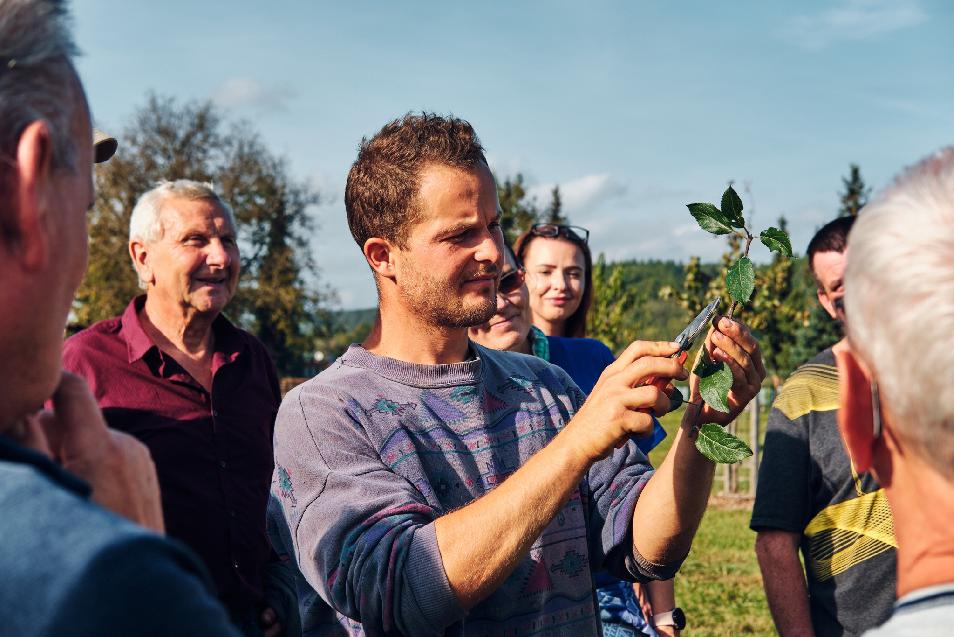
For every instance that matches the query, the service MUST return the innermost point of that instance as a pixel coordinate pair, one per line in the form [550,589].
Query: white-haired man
[897,407]
[69,566]
[199,392]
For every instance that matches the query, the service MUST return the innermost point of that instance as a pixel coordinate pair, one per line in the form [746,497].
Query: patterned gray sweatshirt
[369,453]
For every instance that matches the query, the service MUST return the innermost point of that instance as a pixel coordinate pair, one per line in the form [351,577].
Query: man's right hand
[118,467]
[621,405]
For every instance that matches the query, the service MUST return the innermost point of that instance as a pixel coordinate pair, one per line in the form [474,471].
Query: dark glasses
[550,230]
[510,282]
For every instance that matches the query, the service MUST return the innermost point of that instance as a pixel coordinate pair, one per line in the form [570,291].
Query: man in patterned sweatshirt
[433,487]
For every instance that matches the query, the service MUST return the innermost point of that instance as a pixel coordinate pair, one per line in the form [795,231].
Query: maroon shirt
[213,452]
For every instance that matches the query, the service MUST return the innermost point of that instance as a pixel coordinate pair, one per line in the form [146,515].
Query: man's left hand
[731,342]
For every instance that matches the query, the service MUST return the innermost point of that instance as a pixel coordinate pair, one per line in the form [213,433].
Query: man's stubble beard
[431,299]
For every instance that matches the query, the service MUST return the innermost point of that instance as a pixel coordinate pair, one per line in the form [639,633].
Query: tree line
[283,301]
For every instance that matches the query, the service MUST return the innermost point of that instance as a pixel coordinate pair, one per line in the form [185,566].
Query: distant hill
[347,320]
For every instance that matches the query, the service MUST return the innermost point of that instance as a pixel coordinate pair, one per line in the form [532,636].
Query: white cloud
[582,194]
[854,20]
[244,92]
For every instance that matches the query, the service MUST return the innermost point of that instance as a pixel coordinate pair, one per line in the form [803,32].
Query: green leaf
[718,445]
[732,207]
[710,218]
[740,280]
[777,241]
[715,381]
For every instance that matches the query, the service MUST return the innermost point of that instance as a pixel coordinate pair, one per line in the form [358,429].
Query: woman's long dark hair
[576,324]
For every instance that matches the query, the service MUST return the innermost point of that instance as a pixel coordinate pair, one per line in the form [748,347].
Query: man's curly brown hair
[384,181]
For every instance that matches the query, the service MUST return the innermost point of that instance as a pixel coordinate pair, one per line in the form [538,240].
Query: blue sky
[633,108]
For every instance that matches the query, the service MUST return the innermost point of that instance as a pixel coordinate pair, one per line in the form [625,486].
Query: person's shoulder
[140,584]
[811,387]
[330,386]
[582,345]
[95,335]
[518,367]
[88,568]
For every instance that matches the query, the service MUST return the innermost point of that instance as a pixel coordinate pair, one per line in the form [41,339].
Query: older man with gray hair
[201,393]
[897,407]
[69,565]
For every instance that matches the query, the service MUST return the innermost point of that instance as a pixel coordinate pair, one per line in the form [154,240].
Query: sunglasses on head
[510,282]
[551,230]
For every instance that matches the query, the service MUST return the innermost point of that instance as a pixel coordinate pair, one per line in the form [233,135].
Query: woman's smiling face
[556,275]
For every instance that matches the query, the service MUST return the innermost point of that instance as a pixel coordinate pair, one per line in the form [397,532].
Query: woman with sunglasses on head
[584,360]
[559,276]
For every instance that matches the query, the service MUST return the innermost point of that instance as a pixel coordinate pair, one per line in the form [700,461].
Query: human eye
[193,240]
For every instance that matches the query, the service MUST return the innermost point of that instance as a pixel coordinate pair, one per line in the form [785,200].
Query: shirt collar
[11,451]
[228,340]
[539,344]
[137,343]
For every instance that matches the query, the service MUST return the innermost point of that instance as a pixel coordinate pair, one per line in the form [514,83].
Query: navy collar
[11,451]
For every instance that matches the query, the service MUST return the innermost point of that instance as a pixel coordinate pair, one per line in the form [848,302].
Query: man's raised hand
[731,342]
[118,467]
[621,404]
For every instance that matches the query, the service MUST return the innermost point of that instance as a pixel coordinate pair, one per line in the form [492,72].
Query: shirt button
[223,464]
[232,513]
[235,564]
[215,413]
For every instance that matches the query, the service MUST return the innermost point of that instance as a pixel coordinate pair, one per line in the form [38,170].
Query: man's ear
[380,255]
[826,303]
[139,252]
[33,173]
[854,414]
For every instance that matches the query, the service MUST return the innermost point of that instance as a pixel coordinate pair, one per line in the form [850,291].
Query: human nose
[218,255]
[502,301]
[491,248]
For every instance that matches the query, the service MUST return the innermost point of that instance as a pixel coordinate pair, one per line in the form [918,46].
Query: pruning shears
[686,338]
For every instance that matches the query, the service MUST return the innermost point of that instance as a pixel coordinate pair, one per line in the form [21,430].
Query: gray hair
[36,49]
[145,223]
[899,301]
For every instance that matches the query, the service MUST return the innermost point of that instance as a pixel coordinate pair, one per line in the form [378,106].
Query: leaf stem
[745,253]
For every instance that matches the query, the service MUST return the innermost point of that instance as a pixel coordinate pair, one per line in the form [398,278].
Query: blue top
[584,359]
[71,568]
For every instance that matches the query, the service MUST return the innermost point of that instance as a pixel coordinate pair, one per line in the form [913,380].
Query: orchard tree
[694,292]
[609,319]
[554,211]
[778,310]
[518,211]
[279,297]
[855,195]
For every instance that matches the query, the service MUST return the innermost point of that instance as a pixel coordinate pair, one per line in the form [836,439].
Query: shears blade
[688,336]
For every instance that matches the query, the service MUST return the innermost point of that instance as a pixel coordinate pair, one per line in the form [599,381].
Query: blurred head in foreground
[897,406]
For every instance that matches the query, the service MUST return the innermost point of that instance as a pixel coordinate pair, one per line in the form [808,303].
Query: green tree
[554,211]
[279,297]
[855,195]
[693,295]
[610,316]
[518,212]
[777,310]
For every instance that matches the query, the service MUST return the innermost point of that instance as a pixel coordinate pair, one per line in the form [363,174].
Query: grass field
[719,586]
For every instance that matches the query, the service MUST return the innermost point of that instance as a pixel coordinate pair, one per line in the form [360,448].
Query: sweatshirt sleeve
[363,536]
[613,485]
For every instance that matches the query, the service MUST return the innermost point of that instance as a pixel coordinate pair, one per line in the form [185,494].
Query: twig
[745,253]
